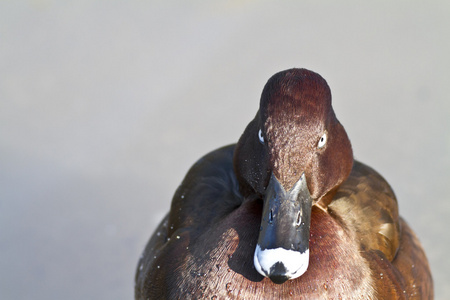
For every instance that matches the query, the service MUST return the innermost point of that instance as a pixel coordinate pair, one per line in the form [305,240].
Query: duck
[285,213]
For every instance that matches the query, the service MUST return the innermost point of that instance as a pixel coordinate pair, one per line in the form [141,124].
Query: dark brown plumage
[359,247]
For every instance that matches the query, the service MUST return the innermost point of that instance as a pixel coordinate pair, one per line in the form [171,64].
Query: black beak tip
[278,279]
[278,273]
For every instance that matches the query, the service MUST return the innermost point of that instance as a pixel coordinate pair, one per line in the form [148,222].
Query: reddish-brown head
[300,134]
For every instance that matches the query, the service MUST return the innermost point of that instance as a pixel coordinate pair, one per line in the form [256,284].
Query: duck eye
[261,138]
[322,141]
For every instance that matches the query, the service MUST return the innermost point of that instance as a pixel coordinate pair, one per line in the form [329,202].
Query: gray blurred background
[104,105]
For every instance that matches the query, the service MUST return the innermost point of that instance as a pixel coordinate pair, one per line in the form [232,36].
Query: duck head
[294,154]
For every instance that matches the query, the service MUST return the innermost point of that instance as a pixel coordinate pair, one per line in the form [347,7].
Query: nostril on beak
[299,219]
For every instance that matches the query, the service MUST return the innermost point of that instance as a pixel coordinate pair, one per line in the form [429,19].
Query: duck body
[358,247]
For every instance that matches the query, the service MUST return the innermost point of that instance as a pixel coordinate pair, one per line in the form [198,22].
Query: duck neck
[326,199]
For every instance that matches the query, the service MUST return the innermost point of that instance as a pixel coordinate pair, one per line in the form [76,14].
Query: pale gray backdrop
[104,105]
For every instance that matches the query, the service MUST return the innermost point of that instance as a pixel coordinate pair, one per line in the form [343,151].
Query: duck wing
[367,208]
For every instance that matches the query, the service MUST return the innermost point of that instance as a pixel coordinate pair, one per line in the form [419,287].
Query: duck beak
[282,251]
